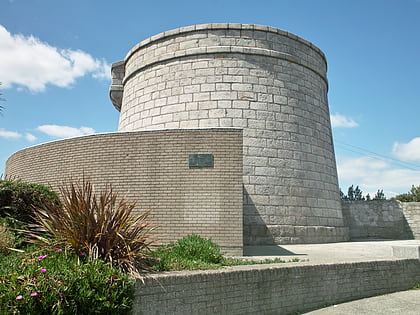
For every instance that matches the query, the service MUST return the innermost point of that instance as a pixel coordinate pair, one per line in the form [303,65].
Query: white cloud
[65,131]
[371,174]
[407,151]
[9,134]
[30,137]
[338,120]
[31,63]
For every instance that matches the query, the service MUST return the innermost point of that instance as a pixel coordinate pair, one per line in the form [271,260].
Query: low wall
[152,167]
[271,289]
[382,219]
[412,215]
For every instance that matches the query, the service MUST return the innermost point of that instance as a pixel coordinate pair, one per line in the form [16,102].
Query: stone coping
[218,26]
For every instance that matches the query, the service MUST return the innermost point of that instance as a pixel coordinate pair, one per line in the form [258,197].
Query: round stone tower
[268,82]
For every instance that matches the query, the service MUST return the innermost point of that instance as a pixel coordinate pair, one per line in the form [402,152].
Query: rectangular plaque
[200,160]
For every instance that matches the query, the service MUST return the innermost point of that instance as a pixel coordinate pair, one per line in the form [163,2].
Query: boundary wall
[382,219]
[271,289]
[152,168]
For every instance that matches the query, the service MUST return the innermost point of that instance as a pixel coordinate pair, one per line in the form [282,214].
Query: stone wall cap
[215,26]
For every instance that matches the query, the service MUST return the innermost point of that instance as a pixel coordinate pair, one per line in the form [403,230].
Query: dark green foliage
[100,225]
[412,196]
[190,252]
[357,194]
[7,239]
[58,282]
[379,195]
[195,252]
[17,200]
[352,194]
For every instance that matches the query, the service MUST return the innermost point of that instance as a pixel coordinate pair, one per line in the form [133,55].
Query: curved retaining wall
[271,289]
[152,168]
[267,81]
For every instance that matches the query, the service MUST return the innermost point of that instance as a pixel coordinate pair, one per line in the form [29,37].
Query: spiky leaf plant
[100,226]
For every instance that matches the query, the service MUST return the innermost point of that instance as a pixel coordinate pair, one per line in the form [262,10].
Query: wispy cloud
[65,131]
[31,63]
[340,121]
[372,174]
[407,151]
[9,134]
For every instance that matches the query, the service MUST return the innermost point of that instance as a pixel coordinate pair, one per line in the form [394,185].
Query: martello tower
[268,82]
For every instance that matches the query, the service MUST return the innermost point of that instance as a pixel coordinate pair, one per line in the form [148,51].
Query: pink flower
[43,270]
[60,294]
[42,257]
[59,250]
[82,254]
[19,297]
[34,294]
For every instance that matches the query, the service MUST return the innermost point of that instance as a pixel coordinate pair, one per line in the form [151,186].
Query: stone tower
[268,82]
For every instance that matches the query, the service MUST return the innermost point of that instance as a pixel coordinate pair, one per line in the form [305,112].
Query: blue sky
[55,60]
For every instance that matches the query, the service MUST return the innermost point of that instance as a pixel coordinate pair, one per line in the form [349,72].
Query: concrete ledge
[406,251]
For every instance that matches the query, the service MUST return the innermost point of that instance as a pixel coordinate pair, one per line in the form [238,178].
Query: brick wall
[267,81]
[389,219]
[152,168]
[271,289]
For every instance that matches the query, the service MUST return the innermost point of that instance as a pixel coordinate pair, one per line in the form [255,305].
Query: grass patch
[196,253]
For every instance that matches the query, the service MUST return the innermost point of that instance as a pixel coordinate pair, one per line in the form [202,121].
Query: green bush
[102,226]
[17,200]
[412,196]
[7,239]
[190,252]
[59,282]
[195,252]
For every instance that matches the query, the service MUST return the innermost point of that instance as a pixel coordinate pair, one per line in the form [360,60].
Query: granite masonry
[268,82]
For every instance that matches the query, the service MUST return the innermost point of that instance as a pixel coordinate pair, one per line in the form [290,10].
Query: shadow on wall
[255,229]
[377,219]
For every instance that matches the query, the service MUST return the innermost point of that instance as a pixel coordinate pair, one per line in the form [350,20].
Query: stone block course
[386,219]
[271,289]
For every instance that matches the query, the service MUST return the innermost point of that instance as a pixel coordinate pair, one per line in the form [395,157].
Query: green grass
[196,253]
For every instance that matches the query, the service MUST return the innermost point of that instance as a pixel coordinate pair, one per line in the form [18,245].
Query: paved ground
[331,252]
[406,302]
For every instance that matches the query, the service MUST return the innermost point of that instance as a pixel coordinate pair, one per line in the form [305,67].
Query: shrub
[412,196]
[7,239]
[57,282]
[18,198]
[190,252]
[101,226]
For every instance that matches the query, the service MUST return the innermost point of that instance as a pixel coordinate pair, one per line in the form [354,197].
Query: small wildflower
[82,254]
[19,297]
[34,294]
[43,270]
[60,294]
[59,250]
[42,257]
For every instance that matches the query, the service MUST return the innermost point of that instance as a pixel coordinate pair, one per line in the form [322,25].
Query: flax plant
[99,226]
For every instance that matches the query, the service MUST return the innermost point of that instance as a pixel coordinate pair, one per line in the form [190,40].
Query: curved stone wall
[152,168]
[267,81]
